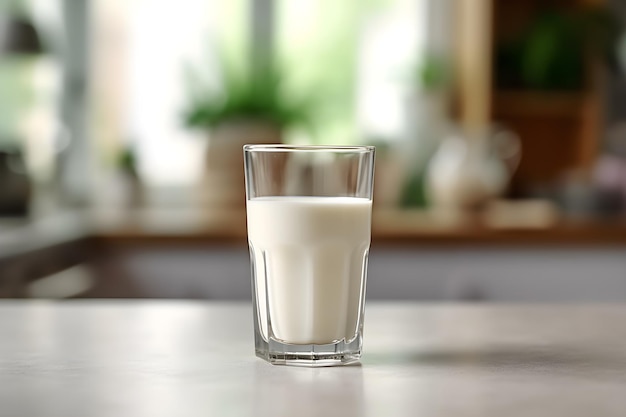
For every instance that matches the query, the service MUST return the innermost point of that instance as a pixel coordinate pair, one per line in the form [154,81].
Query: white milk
[314,250]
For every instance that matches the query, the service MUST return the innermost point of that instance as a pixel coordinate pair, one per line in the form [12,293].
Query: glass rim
[308,148]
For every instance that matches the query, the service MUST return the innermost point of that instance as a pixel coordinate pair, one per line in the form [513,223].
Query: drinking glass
[309,212]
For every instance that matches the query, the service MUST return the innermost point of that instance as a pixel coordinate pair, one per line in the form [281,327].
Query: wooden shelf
[559,131]
[541,104]
[389,227]
[524,225]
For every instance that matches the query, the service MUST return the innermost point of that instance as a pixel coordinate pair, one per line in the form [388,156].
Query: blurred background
[499,126]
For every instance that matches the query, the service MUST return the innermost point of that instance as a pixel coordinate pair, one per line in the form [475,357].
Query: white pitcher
[467,171]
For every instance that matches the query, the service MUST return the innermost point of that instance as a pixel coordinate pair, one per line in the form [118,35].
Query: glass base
[332,354]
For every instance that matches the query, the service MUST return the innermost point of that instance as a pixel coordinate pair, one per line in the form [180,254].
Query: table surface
[183,358]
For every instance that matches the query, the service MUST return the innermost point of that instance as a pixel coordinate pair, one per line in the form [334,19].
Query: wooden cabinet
[560,127]
[560,132]
[514,274]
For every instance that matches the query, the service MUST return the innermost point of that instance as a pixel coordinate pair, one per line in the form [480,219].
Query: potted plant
[250,108]
[553,51]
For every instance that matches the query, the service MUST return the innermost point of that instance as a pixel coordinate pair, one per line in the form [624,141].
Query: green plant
[552,51]
[433,73]
[258,95]
[127,160]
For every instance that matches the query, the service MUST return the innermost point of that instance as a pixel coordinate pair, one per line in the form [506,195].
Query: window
[142,49]
[354,56]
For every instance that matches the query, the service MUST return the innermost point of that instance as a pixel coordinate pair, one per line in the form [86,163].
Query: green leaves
[433,74]
[258,95]
[552,52]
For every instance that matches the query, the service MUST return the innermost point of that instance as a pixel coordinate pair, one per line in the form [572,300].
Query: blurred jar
[468,171]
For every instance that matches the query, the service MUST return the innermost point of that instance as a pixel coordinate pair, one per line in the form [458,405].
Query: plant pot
[223,184]
[388,178]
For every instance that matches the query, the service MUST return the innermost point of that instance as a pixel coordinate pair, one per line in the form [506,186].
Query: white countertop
[182,358]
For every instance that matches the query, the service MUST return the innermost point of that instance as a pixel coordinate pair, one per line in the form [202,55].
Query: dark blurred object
[547,56]
[552,52]
[18,36]
[579,196]
[15,185]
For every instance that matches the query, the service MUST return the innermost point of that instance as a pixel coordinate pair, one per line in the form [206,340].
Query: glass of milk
[309,212]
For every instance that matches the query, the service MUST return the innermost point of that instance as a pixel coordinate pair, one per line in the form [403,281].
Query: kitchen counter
[136,358]
[512,224]
[389,227]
